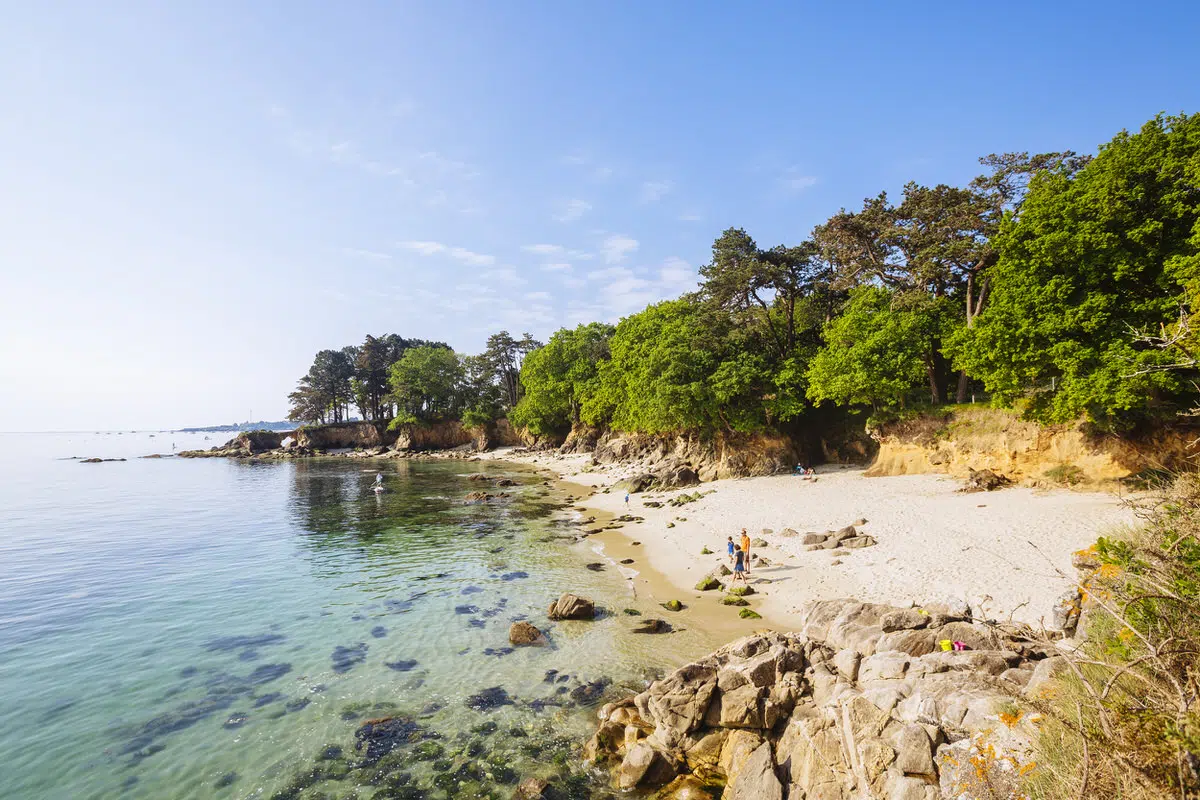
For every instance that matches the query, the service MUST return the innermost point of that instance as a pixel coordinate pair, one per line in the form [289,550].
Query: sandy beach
[1008,553]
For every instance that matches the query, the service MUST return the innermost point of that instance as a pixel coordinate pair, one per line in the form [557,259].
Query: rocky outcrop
[709,457]
[246,443]
[339,435]
[433,436]
[862,701]
[499,433]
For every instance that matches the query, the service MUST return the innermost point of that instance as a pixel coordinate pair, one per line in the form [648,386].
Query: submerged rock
[571,606]
[378,737]
[523,633]
[488,699]
[346,658]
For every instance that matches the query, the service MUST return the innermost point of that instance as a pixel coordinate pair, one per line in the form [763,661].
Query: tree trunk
[935,394]
[960,396]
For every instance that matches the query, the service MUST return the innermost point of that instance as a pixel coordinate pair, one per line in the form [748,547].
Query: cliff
[963,439]
[711,457]
[338,435]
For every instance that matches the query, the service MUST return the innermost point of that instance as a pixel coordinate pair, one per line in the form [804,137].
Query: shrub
[1067,474]
[1123,720]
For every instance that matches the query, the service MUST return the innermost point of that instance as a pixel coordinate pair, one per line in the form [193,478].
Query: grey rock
[904,620]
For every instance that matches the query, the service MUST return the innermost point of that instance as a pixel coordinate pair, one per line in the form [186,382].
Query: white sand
[1001,551]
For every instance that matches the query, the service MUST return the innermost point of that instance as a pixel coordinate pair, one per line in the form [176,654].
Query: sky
[196,197]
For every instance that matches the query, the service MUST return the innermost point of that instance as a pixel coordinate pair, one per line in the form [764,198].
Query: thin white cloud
[538,296]
[424,248]
[602,174]
[616,247]
[606,273]
[461,254]
[369,255]
[543,249]
[794,180]
[572,210]
[557,266]
[678,275]
[470,258]
[689,217]
[503,274]
[653,191]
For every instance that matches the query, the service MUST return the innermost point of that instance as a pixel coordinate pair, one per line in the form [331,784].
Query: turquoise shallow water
[214,628]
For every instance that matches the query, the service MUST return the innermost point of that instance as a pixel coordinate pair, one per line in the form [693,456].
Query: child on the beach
[729,547]
[739,566]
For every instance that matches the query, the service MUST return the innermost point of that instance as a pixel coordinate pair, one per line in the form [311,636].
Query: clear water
[170,628]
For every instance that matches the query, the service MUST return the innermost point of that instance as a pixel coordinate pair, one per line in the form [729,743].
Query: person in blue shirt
[739,566]
[729,546]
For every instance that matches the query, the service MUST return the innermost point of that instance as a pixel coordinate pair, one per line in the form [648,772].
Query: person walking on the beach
[730,547]
[739,566]
[627,500]
[746,548]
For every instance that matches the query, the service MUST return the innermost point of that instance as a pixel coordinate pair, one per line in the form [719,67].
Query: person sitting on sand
[746,548]
[729,548]
[739,566]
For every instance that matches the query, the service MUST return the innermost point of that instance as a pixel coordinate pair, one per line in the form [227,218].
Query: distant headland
[243,426]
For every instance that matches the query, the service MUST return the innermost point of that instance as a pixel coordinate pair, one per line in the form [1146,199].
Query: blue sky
[197,197]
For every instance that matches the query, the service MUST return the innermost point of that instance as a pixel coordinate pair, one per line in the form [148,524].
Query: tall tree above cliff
[324,393]
[876,349]
[559,376]
[1092,258]
[764,287]
[505,354]
[426,384]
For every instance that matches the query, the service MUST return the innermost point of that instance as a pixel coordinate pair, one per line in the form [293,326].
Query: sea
[216,628]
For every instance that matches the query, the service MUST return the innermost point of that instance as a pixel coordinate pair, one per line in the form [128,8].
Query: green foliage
[558,376]
[1094,257]
[425,382]
[1064,285]
[1124,719]
[1068,474]
[876,352]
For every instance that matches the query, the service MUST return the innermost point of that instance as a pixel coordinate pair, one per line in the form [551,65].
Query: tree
[1096,254]
[324,394]
[425,384]
[505,354]
[559,376]
[763,288]
[479,396]
[675,367]
[876,350]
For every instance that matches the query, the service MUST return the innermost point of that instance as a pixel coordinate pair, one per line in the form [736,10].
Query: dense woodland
[1057,284]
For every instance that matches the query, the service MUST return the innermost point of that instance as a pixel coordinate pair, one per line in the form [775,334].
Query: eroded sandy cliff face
[986,438]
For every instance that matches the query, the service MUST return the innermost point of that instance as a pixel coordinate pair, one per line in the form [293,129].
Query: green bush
[1124,719]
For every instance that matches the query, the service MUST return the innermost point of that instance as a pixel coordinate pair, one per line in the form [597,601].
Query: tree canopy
[1056,283]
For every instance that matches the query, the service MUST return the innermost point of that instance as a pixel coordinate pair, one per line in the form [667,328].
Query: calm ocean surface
[177,628]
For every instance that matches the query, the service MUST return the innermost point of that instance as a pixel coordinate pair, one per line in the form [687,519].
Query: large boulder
[645,767]
[757,779]
[571,606]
